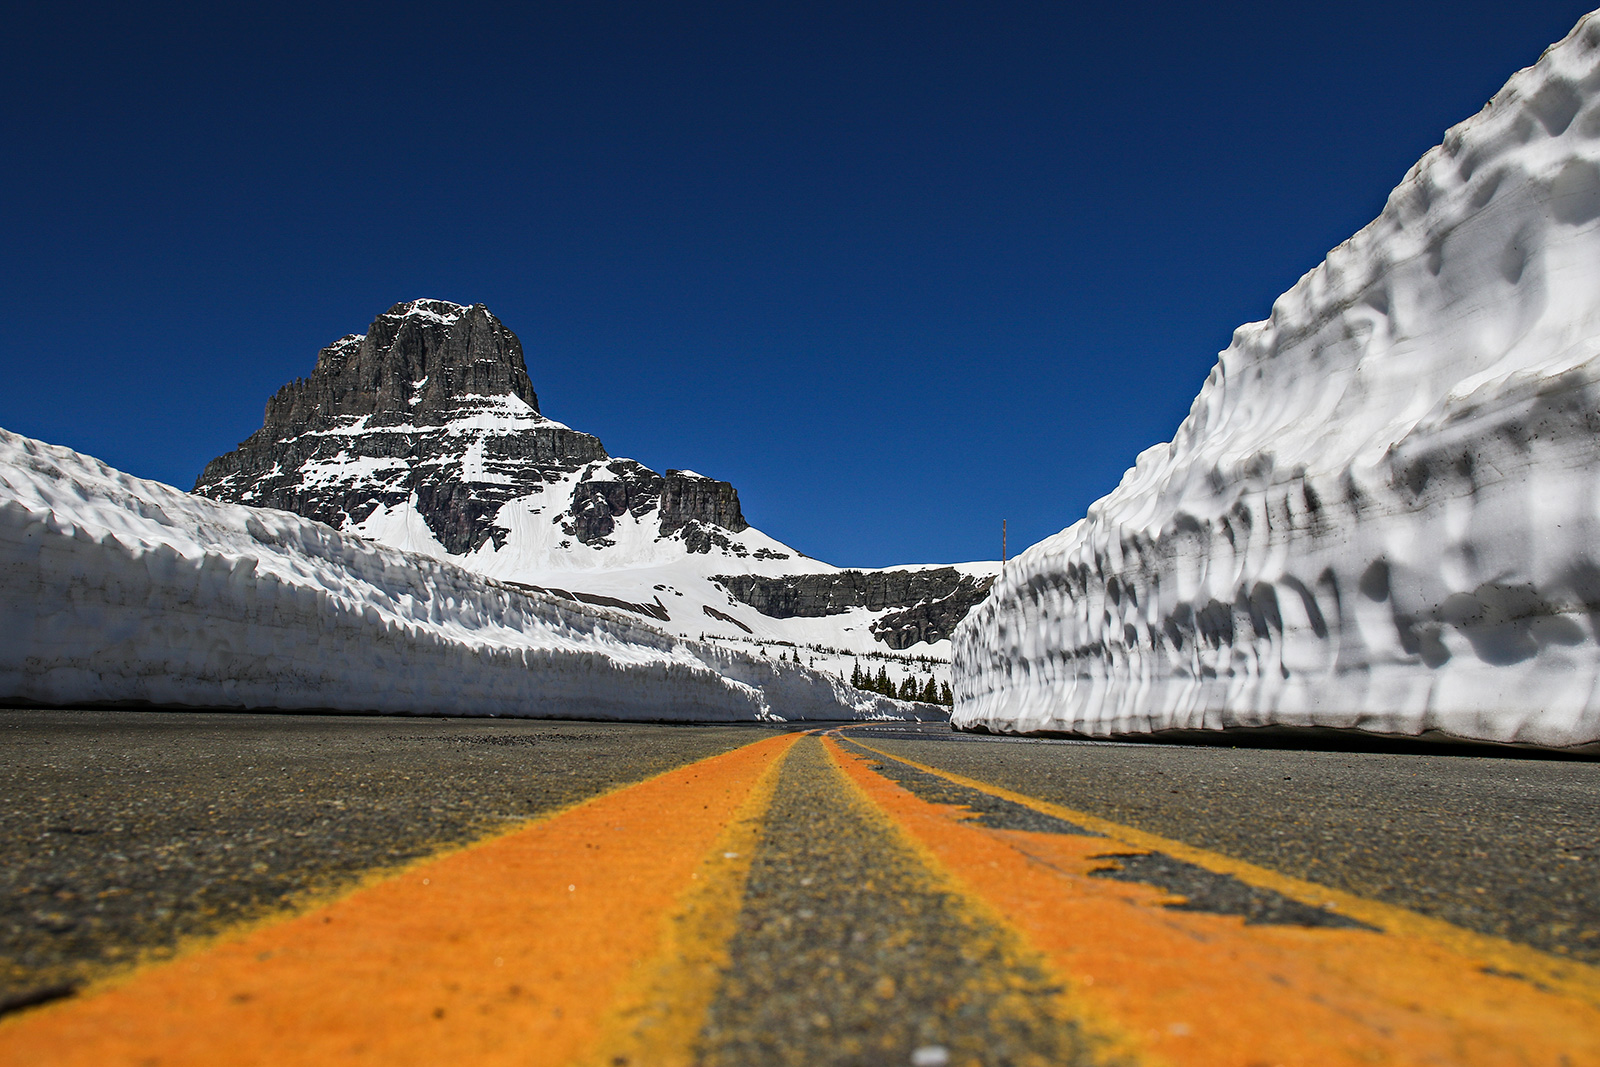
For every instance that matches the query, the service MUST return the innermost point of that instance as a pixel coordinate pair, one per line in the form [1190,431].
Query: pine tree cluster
[929,692]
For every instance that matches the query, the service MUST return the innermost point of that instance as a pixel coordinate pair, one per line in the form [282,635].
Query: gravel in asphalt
[1504,846]
[851,952]
[122,833]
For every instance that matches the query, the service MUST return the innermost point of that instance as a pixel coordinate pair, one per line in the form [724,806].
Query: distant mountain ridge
[919,606]
[425,433]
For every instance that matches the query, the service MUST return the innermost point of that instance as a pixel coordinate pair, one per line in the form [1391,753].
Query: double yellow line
[598,936]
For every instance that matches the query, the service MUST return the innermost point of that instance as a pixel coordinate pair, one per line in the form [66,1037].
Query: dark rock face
[694,498]
[931,601]
[420,364]
[433,406]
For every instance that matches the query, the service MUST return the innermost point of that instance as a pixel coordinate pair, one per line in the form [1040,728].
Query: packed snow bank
[1383,510]
[116,589]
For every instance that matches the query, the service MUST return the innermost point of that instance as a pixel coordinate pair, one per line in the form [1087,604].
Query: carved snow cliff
[1383,510]
[116,589]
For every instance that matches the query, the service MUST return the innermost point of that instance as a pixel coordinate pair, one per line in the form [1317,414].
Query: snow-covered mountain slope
[1383,510]
[425,433]
[116,589]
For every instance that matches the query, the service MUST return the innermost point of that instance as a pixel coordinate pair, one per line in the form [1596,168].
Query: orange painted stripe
[508,951]
[1566,976]
[1203,989]
[657,1014]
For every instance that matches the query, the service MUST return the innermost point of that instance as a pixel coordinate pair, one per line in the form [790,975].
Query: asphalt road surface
[332,888]
[1505,846]
[123,833]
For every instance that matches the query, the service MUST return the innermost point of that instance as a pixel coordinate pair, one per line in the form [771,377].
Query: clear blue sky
[896,270]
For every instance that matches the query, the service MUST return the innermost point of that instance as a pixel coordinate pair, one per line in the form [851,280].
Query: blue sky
[897,271]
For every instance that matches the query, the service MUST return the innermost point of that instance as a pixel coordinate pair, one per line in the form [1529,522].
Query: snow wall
[1383,509]
[114,589]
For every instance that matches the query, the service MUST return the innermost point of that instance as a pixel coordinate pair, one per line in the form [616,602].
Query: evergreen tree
[884,686]
[930,692]
[908,688]
[946,697]
[855,675]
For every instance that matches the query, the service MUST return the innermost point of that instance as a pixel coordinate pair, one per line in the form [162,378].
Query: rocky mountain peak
[425,433]
[431,414]
[421,363]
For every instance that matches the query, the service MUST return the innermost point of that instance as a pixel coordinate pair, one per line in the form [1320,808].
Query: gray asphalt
[122,833]
[1504,846]
[849,952]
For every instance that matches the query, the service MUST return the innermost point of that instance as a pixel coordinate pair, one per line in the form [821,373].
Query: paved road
[634,894]
[122,833]
[1505,846]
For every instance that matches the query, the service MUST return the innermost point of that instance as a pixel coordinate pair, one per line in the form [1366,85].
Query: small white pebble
[930,1056]
[424,881]
[572,889]
[730,855]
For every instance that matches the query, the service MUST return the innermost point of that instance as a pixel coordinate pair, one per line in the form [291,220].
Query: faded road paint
[1210,989]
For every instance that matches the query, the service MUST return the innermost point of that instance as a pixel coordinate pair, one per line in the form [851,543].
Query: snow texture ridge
[1383,509]
[114,589]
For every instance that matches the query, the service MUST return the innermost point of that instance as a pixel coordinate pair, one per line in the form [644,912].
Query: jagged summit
[424,429]
[421,363]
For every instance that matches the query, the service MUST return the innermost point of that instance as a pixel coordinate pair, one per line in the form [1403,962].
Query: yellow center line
[508,951]
[1570,977]
[657,1014]
[1202,989]
[1106,1041]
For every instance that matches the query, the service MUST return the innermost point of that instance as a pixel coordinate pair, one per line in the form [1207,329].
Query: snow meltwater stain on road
[816,901]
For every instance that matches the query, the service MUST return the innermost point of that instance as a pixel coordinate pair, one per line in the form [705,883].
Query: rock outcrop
[425,433]
[421,363]
[929,601]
